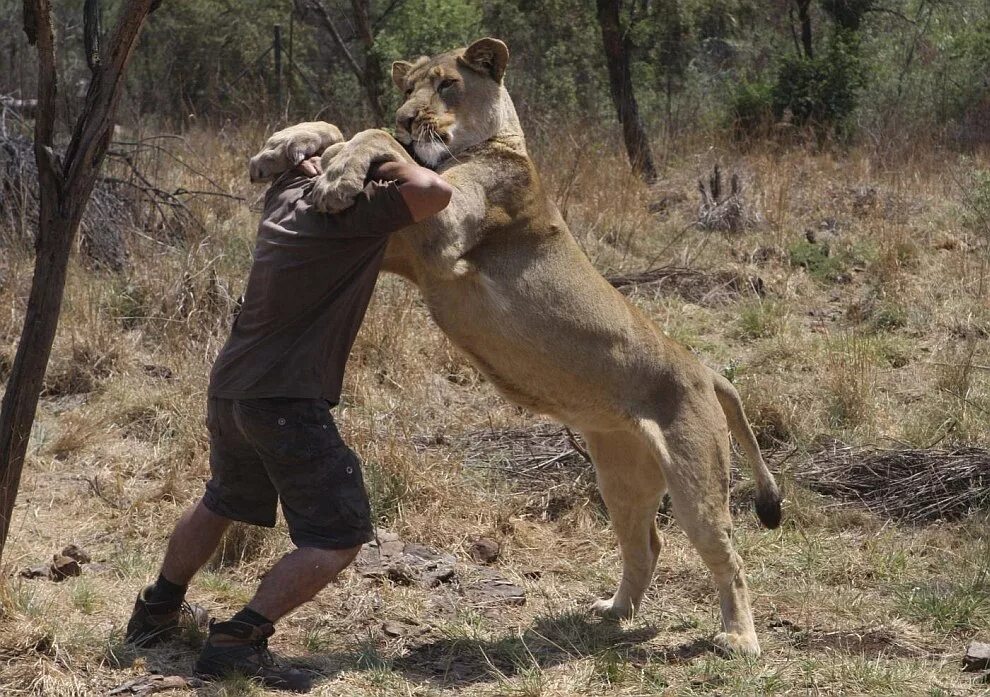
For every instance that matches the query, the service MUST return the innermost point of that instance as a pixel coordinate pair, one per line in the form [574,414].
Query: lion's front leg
[290,146]
[346,166]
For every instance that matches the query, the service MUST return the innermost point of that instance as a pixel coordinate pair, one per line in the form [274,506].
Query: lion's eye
[444,84]
[409,93]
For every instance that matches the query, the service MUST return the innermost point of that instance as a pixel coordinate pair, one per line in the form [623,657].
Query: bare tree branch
[383,17]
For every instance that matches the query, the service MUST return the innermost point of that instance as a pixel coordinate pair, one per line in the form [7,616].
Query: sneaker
[239,648]
[155,623]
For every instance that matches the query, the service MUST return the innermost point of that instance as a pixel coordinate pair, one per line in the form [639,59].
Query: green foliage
[752,107]
[762,319]
[426,27]
[821,91]
[817,259]
[949,606]
[557,66]
[696,64]
[199,57]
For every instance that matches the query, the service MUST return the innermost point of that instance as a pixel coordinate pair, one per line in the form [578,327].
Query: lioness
[507,283]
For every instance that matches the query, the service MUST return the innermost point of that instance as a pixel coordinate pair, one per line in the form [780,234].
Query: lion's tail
[767,493]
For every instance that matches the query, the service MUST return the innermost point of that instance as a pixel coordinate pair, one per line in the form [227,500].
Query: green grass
[762,319]
[817,260]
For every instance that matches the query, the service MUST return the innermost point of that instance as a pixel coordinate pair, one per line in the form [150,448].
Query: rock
[74,552]
[150,684]
[160,372]
[63,567]
[407,628]
[977,657]
[393,629]
[484,550]
[492,589]
[405,563]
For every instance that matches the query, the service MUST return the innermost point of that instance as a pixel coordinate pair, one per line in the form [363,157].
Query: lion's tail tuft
[768,499]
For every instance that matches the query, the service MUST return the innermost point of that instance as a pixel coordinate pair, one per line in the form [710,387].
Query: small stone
[75,552]
[484,550]
[491,590]
[392,548]
[158,371]
[63,567]
[394,629]
[977,657]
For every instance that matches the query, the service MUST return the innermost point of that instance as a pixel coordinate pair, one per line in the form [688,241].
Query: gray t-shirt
[309,287]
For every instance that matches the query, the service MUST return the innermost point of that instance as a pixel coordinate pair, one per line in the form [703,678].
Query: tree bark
[804,16]
[618,46]
[65,188]
[373,72]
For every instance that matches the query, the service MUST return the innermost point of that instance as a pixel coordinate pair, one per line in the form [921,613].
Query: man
[272,437]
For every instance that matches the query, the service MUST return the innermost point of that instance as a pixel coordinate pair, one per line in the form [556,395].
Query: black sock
[249,616]
[166,592]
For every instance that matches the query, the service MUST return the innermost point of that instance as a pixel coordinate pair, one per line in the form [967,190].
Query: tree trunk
[65,188]
[617,48]
[804,16]
[373,73]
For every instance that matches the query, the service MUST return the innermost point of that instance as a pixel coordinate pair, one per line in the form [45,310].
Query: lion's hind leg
[632,486]
[698,480]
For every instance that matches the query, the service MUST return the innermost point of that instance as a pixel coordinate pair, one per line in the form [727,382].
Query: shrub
[822,91]
[817,260]
[752,107]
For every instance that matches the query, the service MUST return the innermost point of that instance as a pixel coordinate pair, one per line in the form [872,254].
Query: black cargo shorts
[263,451]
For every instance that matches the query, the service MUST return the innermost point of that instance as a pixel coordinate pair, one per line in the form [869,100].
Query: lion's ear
[488,56]
[399,71]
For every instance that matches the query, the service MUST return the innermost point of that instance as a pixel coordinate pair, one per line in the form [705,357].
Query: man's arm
[424,191]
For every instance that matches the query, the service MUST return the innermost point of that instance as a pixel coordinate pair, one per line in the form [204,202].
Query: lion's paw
[610,609]
[335,191]
[737,644]
[290,146]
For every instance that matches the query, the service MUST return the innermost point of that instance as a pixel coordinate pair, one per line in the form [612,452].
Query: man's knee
[349,555]
[334,560]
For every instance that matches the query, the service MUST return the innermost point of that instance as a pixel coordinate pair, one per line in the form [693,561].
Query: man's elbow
[430,198]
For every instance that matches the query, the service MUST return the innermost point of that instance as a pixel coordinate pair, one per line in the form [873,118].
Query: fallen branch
[912,485]
[692,284]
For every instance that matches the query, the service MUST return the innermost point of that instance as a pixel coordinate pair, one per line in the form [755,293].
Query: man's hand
[425,192]
[310,168]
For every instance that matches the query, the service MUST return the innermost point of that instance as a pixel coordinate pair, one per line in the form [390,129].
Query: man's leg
[297,578]
[194,540]
[158,606]
[319,482]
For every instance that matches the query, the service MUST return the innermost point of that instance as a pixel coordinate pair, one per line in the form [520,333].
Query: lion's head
[453,101]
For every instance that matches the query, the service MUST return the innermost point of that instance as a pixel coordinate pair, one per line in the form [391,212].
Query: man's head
[452,101]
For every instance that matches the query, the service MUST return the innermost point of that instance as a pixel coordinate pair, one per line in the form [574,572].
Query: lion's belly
[562,344]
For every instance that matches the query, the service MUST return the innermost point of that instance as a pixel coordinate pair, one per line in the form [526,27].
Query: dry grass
[875,333]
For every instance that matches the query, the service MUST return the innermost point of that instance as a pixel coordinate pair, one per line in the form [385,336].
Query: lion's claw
[333,193]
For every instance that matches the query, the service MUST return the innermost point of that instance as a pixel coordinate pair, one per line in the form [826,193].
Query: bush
[820,92]
[752,107]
